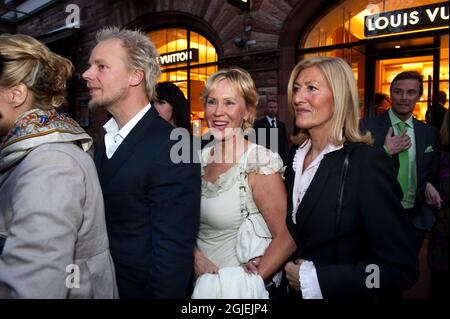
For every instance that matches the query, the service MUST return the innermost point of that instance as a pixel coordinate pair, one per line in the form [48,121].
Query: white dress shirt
[309,283]
[270,119]
[114,137]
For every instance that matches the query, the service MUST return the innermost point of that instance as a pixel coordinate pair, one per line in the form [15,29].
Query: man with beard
[152,204]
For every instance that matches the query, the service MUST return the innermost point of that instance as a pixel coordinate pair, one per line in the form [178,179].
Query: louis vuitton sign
[424,17]
[179,57]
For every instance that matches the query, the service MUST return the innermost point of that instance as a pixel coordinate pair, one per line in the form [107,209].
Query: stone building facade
[267,41]
[274,25]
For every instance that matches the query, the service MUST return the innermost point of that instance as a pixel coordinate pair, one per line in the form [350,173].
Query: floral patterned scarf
[37,127]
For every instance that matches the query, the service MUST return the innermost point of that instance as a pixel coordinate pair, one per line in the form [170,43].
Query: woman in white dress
[238,178]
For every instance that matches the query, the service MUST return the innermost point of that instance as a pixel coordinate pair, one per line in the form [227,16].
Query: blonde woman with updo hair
[237,178]
[53,240]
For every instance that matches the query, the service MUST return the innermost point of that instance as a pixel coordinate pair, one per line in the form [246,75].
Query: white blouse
[303,177]
[309,282]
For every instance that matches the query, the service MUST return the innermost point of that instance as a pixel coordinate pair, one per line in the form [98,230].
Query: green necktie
[403,158]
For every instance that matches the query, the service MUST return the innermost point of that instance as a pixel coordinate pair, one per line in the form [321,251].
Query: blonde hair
[31,63]
[142,53]
[242,83]
[345,118]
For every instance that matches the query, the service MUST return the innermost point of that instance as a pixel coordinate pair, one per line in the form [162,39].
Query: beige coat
[52,215]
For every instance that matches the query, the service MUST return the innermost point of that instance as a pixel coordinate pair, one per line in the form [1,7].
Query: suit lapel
[100,154]
[420,136]
[317,186]
[109,167]
[385,124]
[100,158]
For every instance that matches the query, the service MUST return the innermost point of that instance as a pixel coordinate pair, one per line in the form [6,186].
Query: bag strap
[243,180]
[340,196]
[243,189]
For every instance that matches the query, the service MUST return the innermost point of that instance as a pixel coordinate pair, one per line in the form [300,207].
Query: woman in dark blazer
[344,211]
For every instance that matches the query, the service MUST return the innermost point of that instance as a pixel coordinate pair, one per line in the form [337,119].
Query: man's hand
[432,196]
[397,143]
[292,273]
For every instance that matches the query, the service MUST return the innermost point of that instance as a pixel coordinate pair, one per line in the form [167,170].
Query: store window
[444,76]
[346,22]
[187,59]
[382,39]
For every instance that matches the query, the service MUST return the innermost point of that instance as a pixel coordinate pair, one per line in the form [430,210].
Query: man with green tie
[412,145]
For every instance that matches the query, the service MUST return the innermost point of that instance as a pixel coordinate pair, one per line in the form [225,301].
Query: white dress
[221,216]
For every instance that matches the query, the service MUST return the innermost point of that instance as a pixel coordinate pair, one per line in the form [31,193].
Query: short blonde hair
[31,63]
[242,83]
[345,118]
[141,53]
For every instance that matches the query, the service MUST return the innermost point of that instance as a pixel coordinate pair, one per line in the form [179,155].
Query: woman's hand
[252,266]
[292,273]
[202,264]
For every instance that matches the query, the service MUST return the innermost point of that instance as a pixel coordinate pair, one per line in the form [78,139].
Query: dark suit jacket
[152,211]
[427,163]
[374,228]
[264,140]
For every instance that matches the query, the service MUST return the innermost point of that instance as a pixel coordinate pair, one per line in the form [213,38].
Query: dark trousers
[418,234]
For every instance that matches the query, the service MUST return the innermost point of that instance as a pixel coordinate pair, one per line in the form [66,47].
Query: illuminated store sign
[179,57]
[424,17]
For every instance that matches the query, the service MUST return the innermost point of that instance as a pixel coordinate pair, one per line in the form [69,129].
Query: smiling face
[108,77]
[225,111]
[312,100]
[404,96]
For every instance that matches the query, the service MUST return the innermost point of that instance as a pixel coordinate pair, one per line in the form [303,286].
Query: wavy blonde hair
[242,83]
[43,72]
[345,118]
